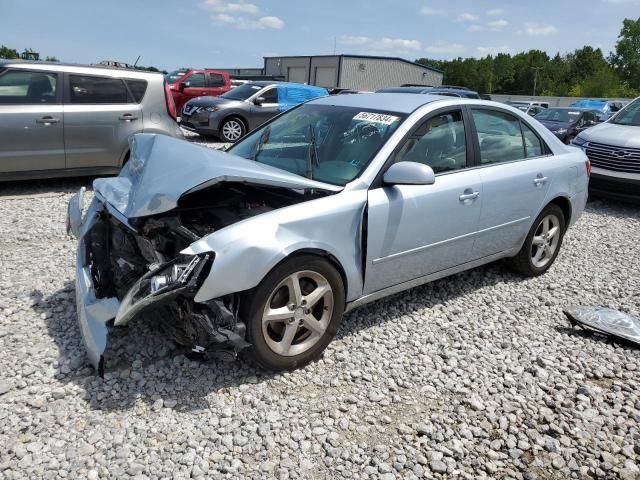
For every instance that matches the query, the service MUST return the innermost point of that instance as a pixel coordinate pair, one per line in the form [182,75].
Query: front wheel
[232,129]
[542,244]
[294,312]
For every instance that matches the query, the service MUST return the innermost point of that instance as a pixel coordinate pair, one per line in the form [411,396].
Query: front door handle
[468,195]
[127,117]
[540,180]
[47,120]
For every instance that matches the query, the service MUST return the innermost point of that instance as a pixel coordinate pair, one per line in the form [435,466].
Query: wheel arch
[323,254]
[565,206]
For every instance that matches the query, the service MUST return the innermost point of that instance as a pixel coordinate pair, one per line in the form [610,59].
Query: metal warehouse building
[359,72]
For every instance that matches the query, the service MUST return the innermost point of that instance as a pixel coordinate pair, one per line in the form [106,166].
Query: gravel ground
[473,376]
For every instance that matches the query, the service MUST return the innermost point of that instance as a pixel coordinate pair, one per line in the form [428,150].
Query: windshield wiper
[312,154]
[263,139]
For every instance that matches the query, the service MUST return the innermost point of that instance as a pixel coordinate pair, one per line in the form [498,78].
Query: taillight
[171,105]
[587,167]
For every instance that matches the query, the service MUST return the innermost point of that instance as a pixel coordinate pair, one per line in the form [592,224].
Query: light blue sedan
[333,204]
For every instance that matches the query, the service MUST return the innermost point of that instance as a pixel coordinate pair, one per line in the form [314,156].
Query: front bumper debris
[93,313]
[182,277]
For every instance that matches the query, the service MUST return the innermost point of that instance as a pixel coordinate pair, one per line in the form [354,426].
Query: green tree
[8,53]
[626,58]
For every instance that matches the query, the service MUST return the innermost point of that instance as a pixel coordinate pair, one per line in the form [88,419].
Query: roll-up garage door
[297,74]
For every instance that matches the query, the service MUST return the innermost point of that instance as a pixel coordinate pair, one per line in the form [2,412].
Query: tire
[232,129]
[541,249]
[286,342]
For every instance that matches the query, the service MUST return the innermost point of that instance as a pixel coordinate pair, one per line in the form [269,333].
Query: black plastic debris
[606,320]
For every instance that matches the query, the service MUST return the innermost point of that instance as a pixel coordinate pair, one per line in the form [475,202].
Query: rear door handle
[540,180]
[469,195]
[48,120]
[127,117]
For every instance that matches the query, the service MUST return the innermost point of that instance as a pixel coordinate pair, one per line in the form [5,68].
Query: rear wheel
[294,312]
[543,243]
[232,129]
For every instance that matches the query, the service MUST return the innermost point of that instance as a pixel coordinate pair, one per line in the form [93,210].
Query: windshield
[328,143]
[173,77]
[243,91]
[559,115]
[629,115]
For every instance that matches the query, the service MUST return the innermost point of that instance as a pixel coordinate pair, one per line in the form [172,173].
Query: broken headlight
[183,272]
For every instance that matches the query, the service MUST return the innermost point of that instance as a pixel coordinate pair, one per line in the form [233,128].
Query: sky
[238,33]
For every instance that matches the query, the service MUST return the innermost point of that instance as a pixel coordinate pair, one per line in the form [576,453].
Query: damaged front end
[134,237]
[120,276]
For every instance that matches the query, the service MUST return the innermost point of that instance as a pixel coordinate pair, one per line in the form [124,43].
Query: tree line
[585,72]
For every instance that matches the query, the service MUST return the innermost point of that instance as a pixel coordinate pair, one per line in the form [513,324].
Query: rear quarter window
[137,88]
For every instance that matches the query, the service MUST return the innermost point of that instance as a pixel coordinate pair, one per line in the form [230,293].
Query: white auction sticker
[376,118]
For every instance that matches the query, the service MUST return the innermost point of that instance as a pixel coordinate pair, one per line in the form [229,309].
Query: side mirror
[409,173]
[184,85]
[259,101]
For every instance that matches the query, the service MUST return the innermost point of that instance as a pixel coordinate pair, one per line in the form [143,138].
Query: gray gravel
[469,377]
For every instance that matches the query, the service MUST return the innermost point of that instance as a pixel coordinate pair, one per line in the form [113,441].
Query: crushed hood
[162,169]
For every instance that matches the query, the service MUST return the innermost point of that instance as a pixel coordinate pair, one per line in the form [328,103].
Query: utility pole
[535,79]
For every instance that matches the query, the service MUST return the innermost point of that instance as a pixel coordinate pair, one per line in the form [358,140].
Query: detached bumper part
[93,315]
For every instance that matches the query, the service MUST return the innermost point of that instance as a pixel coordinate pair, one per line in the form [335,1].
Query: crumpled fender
[246,251]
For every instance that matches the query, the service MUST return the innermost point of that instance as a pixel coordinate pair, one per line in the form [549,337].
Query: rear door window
[216,80]
[137,88]
[85,89]
[18,87]
[499,137]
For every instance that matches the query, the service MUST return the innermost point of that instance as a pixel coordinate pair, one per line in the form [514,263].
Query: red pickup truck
[188,83]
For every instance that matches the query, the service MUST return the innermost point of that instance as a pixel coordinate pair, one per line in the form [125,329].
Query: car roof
[389,102]
[78,67]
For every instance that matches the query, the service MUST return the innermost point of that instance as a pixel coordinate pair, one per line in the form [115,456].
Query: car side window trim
[377,182]
[59,83]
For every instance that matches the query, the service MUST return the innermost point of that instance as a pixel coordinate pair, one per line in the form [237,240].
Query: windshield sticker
[376,118]
[574,113]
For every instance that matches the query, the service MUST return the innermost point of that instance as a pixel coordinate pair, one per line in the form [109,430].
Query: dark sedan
[232,115]
[567,123]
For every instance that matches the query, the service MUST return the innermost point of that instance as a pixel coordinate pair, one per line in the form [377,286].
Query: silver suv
[68,120]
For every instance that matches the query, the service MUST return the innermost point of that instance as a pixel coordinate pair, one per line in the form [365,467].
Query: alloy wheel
[545,241]
[232,130]
[297,313]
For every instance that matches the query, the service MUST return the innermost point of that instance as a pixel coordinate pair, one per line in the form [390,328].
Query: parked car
[614,150]
[244,108]
[605,108]
[187,83]
[69,120]
[528,103]
[532,110]
[338,202]
[446,91]
[566,123]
